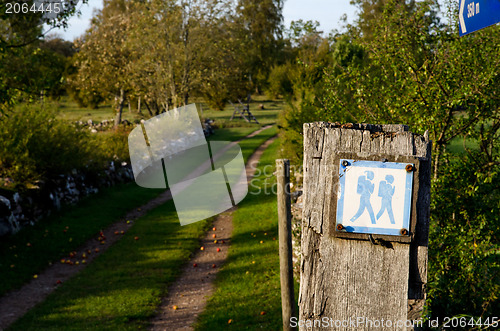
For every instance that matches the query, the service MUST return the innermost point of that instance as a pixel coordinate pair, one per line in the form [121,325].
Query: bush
[279,82]
[84,98]
[215,95]
[464,255]
[292,119]
[217,91]
[34,145]
[113,145]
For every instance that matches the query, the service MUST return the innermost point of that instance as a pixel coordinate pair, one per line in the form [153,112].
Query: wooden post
[285,242]
[352,283]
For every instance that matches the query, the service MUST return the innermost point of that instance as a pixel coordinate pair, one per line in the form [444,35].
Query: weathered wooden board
[345,279]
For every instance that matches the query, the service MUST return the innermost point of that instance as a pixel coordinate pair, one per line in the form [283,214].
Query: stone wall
[19,209]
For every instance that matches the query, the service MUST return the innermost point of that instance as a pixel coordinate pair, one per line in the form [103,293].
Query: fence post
[354,276]
[285,241]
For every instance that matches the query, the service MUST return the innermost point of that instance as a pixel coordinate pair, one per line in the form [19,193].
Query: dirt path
[187,296]
[17,303]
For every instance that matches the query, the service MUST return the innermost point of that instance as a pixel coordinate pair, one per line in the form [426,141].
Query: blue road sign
[474,15]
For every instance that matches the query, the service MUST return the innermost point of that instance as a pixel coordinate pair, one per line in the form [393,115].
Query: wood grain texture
[344,279]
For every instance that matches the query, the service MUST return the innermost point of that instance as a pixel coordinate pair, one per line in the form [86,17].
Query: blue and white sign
[474,15]
[374,197]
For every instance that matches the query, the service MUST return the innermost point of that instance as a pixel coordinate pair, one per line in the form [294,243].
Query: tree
[261,35]
[58,45]
[302,33]
[223,66]
[20,36]
[193,50]
[312,55]
[103,58]
[370,12]
[193,47]
[168,73]
[464,268]
[406,67]
[420,73]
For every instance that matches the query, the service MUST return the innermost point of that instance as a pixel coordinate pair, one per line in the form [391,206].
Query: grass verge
[121,288]
[248,146]
[231,134]
[248,286]
[267,115]
[34,248]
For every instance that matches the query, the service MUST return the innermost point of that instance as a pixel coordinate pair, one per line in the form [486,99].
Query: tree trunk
[157,108]
[149,109]
[187,64]
[121,103]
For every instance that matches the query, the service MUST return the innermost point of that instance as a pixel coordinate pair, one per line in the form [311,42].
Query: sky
[326,12]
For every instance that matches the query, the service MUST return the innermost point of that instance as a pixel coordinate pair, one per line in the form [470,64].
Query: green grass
[231,134]
[47,241]
[249,145]
[248,283]
[70,111]
[266,116]
[121,288]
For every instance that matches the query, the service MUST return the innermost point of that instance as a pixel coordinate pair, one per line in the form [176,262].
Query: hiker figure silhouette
[386,191]
[365,189]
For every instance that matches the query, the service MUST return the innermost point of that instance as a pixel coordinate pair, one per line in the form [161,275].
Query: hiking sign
[374,197]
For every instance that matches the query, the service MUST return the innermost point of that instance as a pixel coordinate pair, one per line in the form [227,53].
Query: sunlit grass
[121,288]
[248,286]
[232,134]
[33,248]
[268,115]
[48,242]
